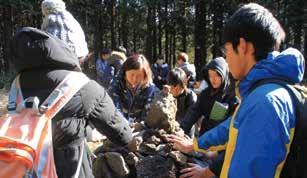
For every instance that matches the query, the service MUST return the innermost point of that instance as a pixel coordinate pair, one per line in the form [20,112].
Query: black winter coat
[184,102]
[43,62]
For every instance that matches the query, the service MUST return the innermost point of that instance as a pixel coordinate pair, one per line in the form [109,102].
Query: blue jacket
[160,74]
[112,69]
[133,105]
[101,67]
[258,136]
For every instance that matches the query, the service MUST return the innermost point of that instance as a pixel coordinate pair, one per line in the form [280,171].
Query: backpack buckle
[11,106]
[30,102]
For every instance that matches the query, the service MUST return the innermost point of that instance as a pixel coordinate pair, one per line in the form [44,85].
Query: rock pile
[148,154]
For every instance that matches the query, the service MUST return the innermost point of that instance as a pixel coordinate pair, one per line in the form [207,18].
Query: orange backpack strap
[72,83]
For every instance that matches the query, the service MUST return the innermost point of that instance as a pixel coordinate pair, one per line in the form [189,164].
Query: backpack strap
[15,95]
[71,84]
[289,86]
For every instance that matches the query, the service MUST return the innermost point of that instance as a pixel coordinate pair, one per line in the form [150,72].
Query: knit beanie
[59,22]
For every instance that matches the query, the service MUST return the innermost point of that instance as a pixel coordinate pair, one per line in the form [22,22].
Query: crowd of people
[239,132]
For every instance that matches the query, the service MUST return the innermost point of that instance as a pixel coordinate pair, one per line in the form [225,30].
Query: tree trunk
[183,26]
[113,15]
[124,23]
[8,31]
[174,48]
[166,27]
[160,32]
[118,27]
[217,27]
[134,41]
[200,36]
[154,36]
[149,33]
[305,35]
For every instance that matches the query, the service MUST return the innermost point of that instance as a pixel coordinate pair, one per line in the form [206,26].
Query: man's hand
[195,171]
[182,144]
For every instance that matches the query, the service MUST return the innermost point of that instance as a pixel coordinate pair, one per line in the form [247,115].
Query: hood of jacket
[288,65]
[221,67]
[33,48]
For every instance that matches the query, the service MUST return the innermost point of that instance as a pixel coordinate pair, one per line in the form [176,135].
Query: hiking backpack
[25,132]
[295,164]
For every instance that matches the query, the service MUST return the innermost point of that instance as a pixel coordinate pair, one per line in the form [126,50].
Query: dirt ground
[3,101]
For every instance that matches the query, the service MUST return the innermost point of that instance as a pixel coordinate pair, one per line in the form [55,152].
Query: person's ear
[250,50]
[242,46]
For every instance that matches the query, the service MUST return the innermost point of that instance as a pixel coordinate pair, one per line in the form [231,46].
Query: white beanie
[59,22]
[52,6]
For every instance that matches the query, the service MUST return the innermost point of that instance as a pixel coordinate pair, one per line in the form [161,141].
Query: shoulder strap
[71,84]
[295,95]
[15,95]
[298,101]
[289,86]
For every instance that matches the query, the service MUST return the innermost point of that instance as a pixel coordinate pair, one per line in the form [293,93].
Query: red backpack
[25,132]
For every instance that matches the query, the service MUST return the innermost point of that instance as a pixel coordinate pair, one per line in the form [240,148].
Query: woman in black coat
[43,61]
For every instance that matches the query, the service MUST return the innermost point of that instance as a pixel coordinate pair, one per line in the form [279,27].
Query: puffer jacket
[43,62]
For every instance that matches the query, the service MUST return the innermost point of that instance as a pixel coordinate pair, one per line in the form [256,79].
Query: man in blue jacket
[258,136]
[160,71]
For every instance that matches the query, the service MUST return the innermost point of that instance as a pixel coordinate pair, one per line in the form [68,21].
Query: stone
[100,168]
[134,144]
[131,159]
[156,167]
[148,149]
[138,126]
[106,146]
[154,140]
[117,163]
[162,113]
[178,157]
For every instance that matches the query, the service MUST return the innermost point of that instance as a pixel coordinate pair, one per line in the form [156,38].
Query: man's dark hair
[177,77]
[257,25]
[105,51]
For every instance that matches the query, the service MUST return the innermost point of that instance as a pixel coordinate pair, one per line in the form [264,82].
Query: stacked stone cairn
[148,154]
